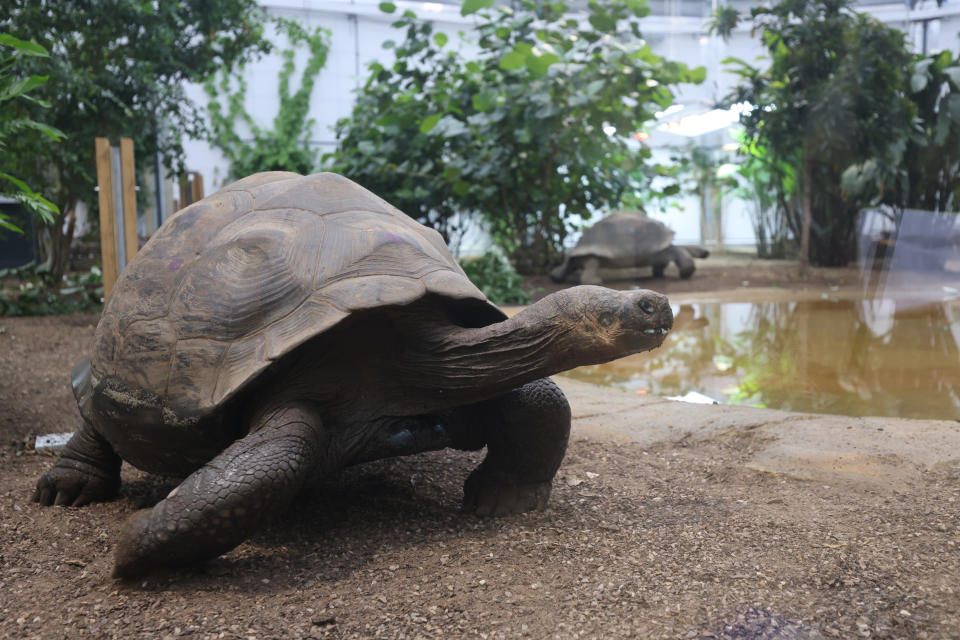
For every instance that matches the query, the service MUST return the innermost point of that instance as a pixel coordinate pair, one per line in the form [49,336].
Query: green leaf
[483,101]
[440,38]
[449,127]
[428,123]
[51,132]
[512,60]
[24,46]
[22,86]
[9,225]
[388,7]
[918,81]
[540,64]
[603,22]
[472,6]
[954,74]
[698,75]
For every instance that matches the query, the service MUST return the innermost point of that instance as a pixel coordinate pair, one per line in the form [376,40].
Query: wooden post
[129,178]
[184,192]
[117,195]
[197,187]
[108,238]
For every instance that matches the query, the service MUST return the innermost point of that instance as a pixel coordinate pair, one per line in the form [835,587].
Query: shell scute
[256,275]
[142,354]
[193,375]
[325,193]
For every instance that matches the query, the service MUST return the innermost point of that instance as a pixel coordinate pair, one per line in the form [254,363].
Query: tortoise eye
[646,306]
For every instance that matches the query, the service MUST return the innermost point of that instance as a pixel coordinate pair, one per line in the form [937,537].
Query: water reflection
[861,357]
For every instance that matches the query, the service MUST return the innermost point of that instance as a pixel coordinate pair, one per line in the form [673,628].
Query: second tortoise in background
[626,240]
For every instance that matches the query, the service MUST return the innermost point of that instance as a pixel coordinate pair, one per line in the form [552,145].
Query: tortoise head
[573,327]
[608,324]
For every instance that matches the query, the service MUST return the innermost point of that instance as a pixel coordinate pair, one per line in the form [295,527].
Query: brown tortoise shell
[235,281]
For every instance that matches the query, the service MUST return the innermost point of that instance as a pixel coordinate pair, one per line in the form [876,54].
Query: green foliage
[32,295]
[770,185]
[285,147]
[116,70]
[515,132]
[723,21]
[831,97]
[498,280]
[16,86]
[920,170]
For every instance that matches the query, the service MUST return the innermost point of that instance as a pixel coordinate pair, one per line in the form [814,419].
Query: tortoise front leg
[526,432]
[222,503]
[87,471]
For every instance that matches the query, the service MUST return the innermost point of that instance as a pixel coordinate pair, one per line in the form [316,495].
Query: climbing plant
[286,145]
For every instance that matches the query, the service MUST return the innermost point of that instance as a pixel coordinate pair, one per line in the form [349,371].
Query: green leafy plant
[922,169]
[24,292]
[499,281]
[285,146]
[530,131]
[121,74]
[832,96]
[770,186]
[15,88]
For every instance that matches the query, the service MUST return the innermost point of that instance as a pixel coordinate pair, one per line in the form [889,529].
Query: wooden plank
[184,192]
[197,186]
[129,177]
[108,238]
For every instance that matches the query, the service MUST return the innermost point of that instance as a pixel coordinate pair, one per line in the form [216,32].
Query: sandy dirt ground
[680,538]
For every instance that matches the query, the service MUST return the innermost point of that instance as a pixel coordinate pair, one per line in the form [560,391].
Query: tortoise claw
[500,494]
[75,483]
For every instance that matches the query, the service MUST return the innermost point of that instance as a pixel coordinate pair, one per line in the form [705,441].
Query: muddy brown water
[848,356]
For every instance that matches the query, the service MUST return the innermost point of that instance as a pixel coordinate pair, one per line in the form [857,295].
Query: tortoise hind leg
[87,471]
[526,432]
[222,503]
[684,262]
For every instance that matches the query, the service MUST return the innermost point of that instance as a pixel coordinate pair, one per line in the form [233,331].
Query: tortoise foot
[131,558]
[76,483]
[500,493]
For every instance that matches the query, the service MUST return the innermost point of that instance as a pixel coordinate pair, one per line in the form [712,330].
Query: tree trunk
[807,209]
[56,243]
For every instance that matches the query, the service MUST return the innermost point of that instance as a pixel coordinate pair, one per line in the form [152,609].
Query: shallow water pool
[855,357]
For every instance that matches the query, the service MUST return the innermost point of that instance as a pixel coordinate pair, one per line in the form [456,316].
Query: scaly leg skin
[526,432]
[87,471]
[221,504]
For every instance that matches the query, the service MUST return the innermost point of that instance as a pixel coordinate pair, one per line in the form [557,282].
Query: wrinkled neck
[469,363]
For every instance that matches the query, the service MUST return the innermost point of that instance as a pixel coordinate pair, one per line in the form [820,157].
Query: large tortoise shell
[235,281]
[623,234]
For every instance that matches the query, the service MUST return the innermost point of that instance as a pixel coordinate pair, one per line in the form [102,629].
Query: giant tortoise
[288,326]
[627,240]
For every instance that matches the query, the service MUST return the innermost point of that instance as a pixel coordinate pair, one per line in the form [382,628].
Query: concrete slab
[882,453]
